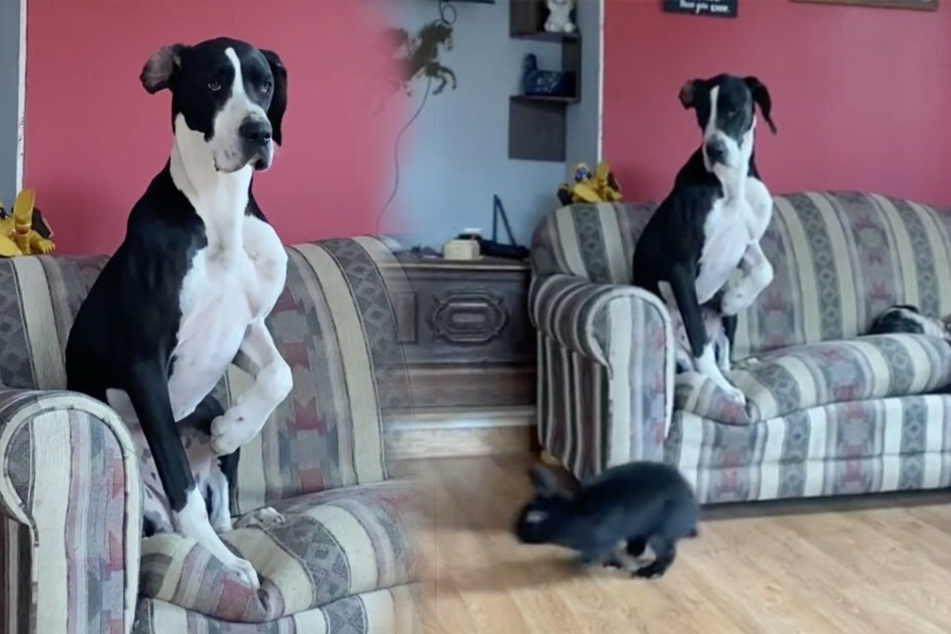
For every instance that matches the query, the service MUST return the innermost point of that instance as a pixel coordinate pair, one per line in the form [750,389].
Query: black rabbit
[639,503]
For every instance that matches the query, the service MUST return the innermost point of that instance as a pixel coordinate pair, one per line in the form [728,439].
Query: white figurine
[559,16]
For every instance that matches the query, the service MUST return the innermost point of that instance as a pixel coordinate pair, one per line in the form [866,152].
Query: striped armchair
[830,409]
[344,560]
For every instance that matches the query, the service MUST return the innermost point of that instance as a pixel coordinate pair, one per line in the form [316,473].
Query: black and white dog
[187,291]
[719,329]
[708,228]
[906,318]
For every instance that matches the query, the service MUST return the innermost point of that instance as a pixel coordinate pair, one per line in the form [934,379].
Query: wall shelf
[538,123]
[545,98]
[545,36]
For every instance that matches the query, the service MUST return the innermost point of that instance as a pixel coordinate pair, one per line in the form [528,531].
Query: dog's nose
[716,151]
[256,131]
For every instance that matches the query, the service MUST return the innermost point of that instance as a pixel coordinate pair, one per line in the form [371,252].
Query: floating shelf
[538,123]
[545,98]
[545,36]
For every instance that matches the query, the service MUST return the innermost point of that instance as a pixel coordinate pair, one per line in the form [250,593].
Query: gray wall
[9,86]
[584,118]
[455,156]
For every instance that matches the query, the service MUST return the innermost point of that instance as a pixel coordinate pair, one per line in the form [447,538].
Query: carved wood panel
[468,317]
[466,335]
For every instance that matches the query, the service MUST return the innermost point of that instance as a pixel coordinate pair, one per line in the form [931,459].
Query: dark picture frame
[918,5]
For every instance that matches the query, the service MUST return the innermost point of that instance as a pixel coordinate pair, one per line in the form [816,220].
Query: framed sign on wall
[718,8]
[921,5]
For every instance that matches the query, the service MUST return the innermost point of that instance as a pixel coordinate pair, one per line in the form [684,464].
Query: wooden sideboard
[470,351]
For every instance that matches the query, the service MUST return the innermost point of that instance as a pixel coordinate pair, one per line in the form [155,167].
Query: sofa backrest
[839,258]
[334,325]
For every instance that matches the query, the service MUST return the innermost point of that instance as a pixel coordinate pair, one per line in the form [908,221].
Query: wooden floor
[865,565]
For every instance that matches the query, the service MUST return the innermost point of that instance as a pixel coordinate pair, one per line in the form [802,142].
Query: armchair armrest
[606,381]
[594,319]
[70,515]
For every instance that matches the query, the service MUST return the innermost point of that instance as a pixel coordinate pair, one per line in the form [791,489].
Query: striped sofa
[831,410]
[344,560]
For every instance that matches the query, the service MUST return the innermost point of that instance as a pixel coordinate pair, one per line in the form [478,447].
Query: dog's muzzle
[715,149]
[256,136]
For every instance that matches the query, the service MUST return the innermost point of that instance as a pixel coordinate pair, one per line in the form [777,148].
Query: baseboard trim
[460,432]
[465,418]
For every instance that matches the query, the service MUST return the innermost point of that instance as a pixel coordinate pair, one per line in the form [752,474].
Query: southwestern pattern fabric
[321,457]
[390,611]
[70,484]
[800,377]
[334,324]
[840,258]
[868,446]
[331,545]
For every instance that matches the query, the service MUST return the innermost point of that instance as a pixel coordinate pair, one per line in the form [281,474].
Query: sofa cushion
[389,611]
[871,446]
[332,544]
[800,377]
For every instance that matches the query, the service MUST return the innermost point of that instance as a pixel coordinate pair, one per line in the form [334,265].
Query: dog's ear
[275,113]
[544,481]
[761,97]
[162,67]
[688,92]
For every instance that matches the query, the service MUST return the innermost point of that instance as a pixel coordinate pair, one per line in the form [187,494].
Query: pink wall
[860,96]
[94,137]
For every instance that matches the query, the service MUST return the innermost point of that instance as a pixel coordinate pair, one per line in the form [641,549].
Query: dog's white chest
[227,288]
[726,238]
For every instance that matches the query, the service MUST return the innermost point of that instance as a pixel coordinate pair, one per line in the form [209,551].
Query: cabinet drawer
[451,318]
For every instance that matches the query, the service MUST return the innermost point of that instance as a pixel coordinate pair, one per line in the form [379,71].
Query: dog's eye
[214,86]
[266,87]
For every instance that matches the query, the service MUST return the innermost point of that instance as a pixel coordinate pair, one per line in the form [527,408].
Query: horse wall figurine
[423,57]
[419,59]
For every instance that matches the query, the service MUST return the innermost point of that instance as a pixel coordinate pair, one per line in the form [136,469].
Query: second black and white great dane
[188,289]
[710,225]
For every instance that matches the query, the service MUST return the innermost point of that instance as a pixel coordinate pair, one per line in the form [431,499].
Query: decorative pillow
[800,377]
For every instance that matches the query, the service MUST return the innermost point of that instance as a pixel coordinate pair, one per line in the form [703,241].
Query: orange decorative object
[18,229]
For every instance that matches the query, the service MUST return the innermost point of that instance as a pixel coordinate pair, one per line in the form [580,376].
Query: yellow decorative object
[17,233]
[588,187]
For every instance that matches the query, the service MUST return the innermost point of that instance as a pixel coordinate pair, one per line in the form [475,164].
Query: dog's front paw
[266,516]
[245,571]
[747,364]
[228,433]
[734,300]
[734,394]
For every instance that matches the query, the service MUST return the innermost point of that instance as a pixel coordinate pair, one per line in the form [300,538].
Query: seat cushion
[800,377]
[331,545]
[871,446]
[390,611]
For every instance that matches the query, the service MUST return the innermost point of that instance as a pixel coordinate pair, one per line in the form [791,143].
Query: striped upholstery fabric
[388,611]
[840,258]
[872,446]
[799,377]
[331,545]
[335,326]
[327,433]
[610,343]
[70,482]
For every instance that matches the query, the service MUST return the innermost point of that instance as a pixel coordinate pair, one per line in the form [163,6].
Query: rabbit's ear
[546,484]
